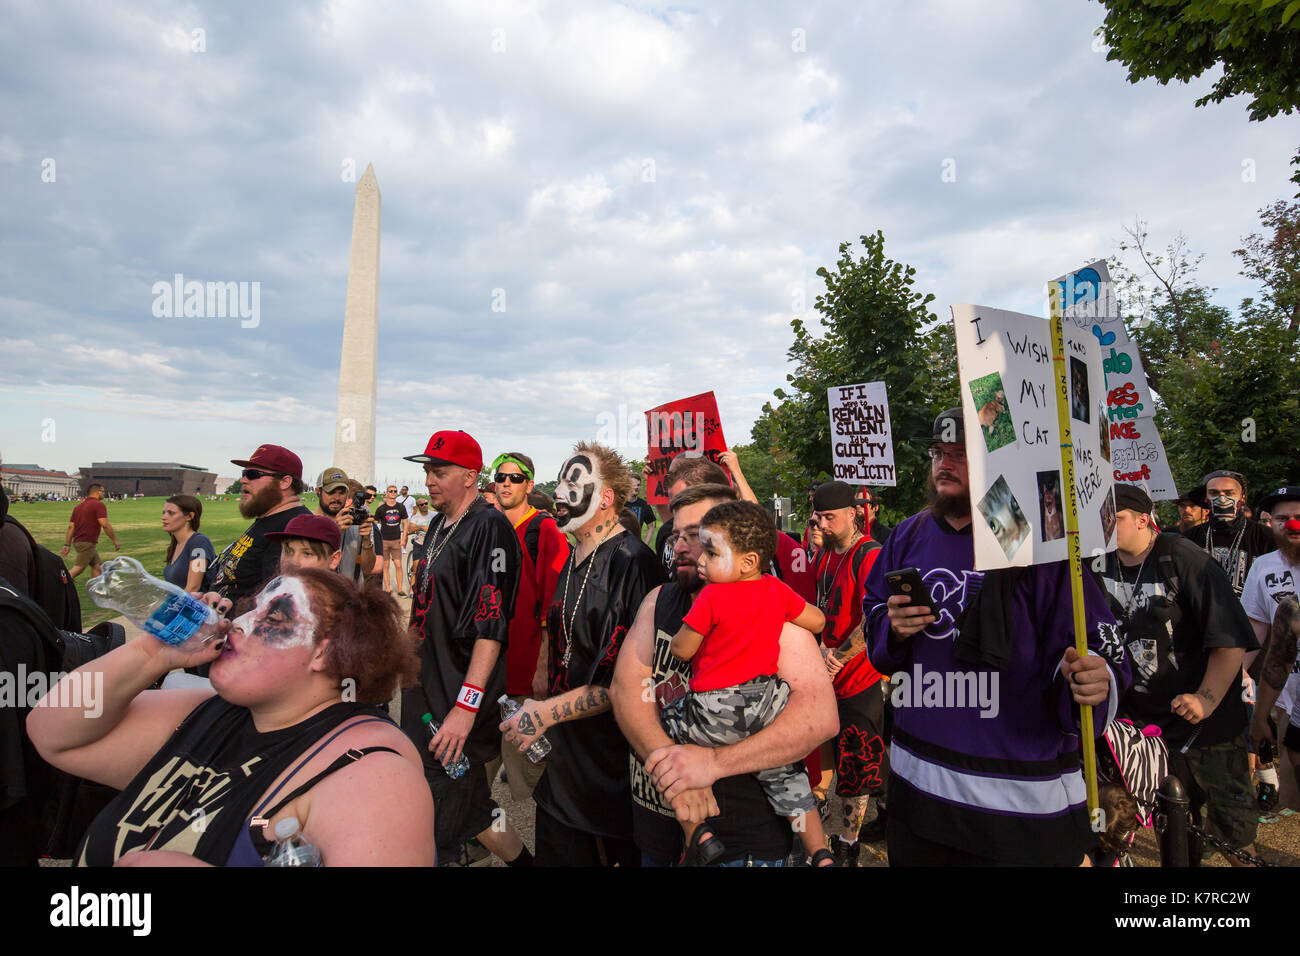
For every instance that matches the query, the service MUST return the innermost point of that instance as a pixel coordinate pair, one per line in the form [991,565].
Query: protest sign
[688,425]
[862,447]
[1013,442]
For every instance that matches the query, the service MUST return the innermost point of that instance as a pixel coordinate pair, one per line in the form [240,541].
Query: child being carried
[732,637]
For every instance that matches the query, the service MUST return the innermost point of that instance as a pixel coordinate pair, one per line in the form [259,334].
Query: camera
[358,509]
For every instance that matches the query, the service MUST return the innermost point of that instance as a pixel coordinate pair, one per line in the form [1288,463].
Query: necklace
[1231,562]
[567,619]
[435,548]
[1133,588]
[823,590]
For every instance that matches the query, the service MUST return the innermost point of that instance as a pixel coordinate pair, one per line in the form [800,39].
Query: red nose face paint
[1293,525]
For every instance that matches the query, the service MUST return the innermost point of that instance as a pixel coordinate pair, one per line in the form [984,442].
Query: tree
[1274,262]
[1226,388]
[1257,42]
[874,323]
[234,489]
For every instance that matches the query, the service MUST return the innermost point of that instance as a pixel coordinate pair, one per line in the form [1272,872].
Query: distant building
[19,480]
[148,478]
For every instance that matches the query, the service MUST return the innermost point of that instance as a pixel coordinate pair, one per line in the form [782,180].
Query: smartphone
[907,583]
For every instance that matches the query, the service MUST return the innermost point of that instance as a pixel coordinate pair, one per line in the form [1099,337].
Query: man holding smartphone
[976,780]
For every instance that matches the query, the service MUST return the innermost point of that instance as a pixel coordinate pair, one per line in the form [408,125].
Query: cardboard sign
[1088,299]
[687,426]
[862,447]
[1138,458]
[1013,442]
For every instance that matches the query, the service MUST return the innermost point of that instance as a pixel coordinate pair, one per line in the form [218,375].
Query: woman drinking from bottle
[289,733]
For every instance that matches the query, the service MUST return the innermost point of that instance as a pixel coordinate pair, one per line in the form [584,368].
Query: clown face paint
[281,617]
[577,496]
[716,560]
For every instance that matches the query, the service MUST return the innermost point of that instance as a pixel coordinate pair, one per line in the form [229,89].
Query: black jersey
[466,579]
[585,785]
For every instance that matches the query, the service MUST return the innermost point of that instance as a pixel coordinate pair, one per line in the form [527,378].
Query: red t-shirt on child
[741,622]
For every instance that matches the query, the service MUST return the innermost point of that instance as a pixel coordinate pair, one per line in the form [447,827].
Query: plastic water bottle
[290,848]
[456,770]
[1266,782]
[159,607]
[540,747]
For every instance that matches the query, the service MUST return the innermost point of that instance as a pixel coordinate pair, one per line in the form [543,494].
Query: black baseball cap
[834,495]
[1285,493]
[944,431]
[1132,498]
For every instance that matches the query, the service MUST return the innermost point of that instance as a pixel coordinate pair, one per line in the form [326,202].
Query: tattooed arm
[537,717]
[1283,643]
[1221,674]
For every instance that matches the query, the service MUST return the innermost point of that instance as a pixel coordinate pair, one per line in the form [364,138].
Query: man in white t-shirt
[405,499]
[1272,579]
[414,536]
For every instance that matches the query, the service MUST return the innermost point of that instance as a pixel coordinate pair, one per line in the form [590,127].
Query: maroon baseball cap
[273,458]
[451,448]
[313,528]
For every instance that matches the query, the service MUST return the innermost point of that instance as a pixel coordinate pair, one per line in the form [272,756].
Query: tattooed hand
[525,725]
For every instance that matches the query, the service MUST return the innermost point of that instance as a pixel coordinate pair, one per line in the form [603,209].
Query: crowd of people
[710,691]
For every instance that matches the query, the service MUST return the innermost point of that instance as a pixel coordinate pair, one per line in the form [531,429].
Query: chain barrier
[1226,850]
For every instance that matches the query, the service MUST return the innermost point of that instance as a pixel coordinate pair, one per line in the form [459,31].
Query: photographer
[337,495]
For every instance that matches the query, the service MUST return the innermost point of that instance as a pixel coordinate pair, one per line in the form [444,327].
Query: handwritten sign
[687,426]
[1013,442]
[862,449]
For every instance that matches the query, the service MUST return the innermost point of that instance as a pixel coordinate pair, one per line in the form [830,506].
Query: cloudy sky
[652,189]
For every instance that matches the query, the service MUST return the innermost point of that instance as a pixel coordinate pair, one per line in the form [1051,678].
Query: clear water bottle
[290,848]
[456,770]
[158,607]
[540,747]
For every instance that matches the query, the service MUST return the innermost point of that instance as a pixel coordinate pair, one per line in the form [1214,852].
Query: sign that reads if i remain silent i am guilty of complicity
[862,447]
[1013,438]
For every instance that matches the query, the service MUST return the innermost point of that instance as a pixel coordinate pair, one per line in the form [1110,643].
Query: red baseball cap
[451,448]
[313,528]
[273,458]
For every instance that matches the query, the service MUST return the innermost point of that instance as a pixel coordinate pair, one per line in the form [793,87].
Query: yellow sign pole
[1072,534]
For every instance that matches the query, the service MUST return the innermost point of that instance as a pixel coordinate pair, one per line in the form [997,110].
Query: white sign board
[862,447]
[1013,442]
[1139,455]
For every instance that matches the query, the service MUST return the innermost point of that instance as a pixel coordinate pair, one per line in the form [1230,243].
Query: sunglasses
[252,474]
[501,477]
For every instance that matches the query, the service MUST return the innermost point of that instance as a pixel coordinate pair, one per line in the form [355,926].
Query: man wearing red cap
[466,580]
[269,488]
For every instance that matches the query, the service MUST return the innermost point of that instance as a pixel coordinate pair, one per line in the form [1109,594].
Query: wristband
[469,698]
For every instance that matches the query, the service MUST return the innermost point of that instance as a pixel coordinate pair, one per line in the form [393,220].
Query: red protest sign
[688,425]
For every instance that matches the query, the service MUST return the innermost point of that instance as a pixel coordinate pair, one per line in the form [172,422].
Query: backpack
[532,542]
[71,803]
[50,585]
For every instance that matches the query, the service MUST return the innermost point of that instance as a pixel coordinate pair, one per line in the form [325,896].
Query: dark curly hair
[369,640]
[747,526]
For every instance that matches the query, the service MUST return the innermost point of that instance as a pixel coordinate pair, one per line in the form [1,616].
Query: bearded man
[1229,536]
[269,487]
[584,799]
[988,777]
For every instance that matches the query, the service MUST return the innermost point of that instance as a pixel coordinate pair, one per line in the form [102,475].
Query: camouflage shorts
[716,718]
[1222,783]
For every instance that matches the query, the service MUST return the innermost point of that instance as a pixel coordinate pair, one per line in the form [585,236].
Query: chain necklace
[435,548]
[566,619]
[1133,588]
[1231,562]
[824,596]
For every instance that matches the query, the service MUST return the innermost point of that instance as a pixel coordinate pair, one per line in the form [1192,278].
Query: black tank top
[196,794]
[747,824]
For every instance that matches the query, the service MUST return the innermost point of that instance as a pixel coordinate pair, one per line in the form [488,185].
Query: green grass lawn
[138,524]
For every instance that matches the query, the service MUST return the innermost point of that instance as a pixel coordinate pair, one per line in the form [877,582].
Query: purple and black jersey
[983,760]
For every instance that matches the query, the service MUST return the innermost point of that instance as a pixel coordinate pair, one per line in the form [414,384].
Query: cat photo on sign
[1079,401]
[1051,517]
[1107,516]
[991,411]
[1005,517]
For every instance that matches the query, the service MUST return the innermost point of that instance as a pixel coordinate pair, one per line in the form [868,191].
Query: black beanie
[834,495]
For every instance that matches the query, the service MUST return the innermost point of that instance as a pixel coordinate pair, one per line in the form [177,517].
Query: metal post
[1172,804]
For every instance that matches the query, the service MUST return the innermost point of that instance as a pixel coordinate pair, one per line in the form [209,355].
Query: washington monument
[354,434]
